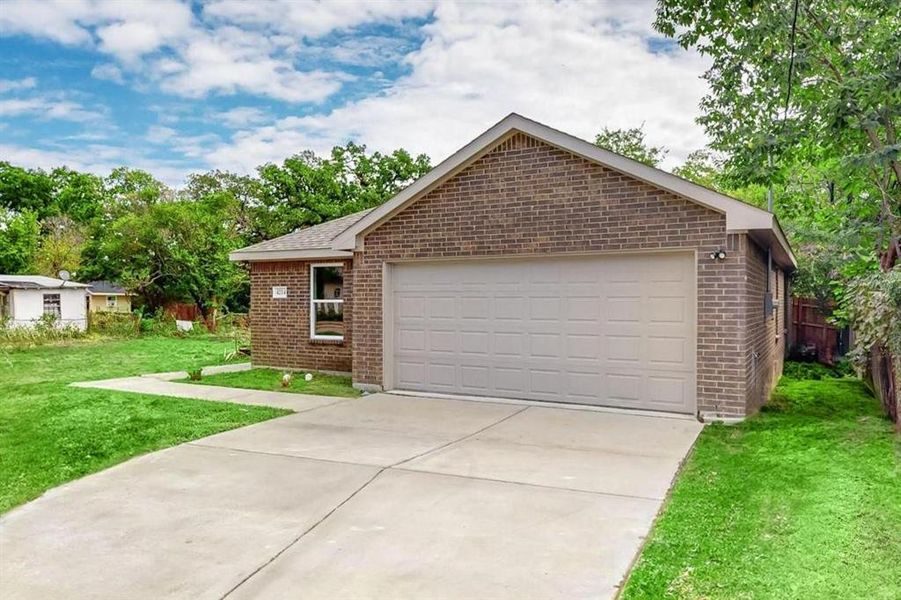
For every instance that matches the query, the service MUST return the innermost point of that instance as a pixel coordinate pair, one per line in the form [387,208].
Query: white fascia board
[273,255]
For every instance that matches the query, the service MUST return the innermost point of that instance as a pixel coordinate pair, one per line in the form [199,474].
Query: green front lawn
[51,433]
[801,501]
[271,380]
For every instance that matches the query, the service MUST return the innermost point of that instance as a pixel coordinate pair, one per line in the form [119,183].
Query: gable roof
[308,242]
[740,216]
[36,282]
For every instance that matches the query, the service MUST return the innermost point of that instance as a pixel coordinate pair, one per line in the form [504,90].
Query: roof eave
[774,238]
[282,255]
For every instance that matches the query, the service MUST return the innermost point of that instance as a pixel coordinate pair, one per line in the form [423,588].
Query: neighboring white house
[25,299]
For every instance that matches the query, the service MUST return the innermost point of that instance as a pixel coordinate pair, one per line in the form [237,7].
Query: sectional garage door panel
[613,330]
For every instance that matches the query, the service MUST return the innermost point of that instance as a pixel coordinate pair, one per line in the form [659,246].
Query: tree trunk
[884,371]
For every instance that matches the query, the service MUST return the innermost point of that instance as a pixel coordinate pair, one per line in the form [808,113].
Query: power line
[788,95]
[791,63]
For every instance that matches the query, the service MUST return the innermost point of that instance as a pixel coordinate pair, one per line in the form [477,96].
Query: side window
[52,305]
[111,302]
[326,303]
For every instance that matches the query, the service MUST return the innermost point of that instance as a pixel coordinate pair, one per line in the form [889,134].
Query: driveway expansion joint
[527,484]
[381,470]
[275,556]
[461,439]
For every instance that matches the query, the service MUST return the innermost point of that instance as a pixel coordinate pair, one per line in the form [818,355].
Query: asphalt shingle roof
[317,237]
[105,287]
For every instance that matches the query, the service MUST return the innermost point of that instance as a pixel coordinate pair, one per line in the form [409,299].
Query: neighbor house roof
[36,282]
[106,288]
[308,242]
[740,216]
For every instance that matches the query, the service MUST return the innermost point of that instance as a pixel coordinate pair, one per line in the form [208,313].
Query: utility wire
[788,95]
[791,63]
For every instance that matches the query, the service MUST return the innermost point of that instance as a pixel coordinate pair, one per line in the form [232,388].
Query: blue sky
[176,87]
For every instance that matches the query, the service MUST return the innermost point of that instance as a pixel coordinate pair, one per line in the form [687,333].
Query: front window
[111,302]
[52,305]
[326,304]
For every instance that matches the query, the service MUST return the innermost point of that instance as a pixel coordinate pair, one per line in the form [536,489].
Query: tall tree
[308,189]
[816,81]
[245,192]
[79,196]
[631,143]
[26,190]
[131,188]
[60,247]
[175,250]
[19,236]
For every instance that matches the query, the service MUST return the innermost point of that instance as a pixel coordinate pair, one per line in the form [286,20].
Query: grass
[800,501]
[51,433]
[271,380]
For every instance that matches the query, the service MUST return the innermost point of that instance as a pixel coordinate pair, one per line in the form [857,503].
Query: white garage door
[611,330]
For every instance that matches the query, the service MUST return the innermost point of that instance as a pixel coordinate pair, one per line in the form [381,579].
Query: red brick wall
[280,328]
[525,197]
[764,334]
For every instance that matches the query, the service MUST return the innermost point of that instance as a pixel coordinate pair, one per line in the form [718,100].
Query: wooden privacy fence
[182,311]
[812,335]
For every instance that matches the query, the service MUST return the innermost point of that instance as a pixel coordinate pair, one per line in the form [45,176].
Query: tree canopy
[810,85]
[170,244]
[631,143]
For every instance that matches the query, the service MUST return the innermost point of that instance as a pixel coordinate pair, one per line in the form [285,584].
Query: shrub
[812,370]
[44,330]
[871,304]
[195,374]
[114,324]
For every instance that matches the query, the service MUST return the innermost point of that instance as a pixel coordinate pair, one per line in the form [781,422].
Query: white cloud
[12,85]
[109,72]
[47,108]
[96,158]
[158,134]
[56,20]
[314,19]
[129,41]
[231,60]
[575,66]
[198,60]
[366,51]
[195,146]
[241,116]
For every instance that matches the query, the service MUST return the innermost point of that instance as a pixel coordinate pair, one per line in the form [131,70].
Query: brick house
[532,264]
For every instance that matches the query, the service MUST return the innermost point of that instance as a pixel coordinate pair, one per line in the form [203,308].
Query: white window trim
[58,313]
[114,303]
[313,302]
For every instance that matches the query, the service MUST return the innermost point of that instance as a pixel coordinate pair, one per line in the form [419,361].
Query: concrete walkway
[382,496]
[162,384]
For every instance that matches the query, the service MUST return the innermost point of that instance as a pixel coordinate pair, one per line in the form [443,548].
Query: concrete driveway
[385,496]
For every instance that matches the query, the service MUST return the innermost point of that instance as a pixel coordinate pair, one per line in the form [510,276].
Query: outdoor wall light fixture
[718,254]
